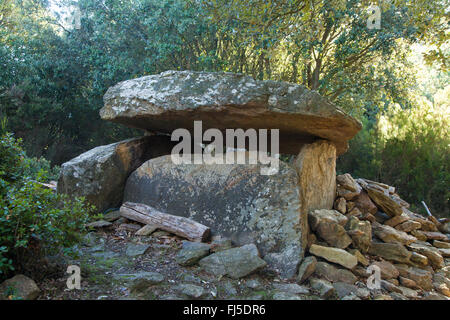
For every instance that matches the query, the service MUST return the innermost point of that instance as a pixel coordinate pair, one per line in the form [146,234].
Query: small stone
[441,244]
[347,187]
[391,235]
[351,297]
[190,290]
[143,280]
[316,217]
[419,235]
[134,250]
[392,222]
[146,230]
[397,296]
[334,274]
[363,293]
[408,226]
[408,283]
[435,236]
[99,224]
[19,286]
[444,252]
[325,288]
[335,255]
[344,289]
[390,251]
[355,212]
[390,286]
[364,204]
[361,258]
[285,296]
[253,284]
[220,245]
[291,288]
[160,233]
[409,293]
[423,278]
[340,205]
[360,232]
[388,270]
[434,296]
[191,254]
[235,262]
[435,258]
[334,234]
[383,297]
[419,259]
[306,269]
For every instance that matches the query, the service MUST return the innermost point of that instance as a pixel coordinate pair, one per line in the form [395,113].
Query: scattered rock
[334,234]
[191,253]
[434,256]
[20,287]
[394,221]
[385,201]
[344,289]
[291,288]
[316,217]
[235,262]
[391,235]
[361,258]
[435,236]
[408,226]
[361,233]
[134,250]
[190,290]
[335,255]
[282,295]
[334,274]
[340,205]
[405,282]
[441,244]
[419,259]
[423,278]
[386,285]
[325,288]
[390,251]
[388,270]
[220,245]
[363,203]
[347,187]
[306,269]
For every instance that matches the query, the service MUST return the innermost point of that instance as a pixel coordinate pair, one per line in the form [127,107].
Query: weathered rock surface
[421,277]
[99,174]
[325,288]
[384,200]
[334,274]
[235,201]
[191,253]
[335,255]
[392,235]
[361,233]
[347,187]
[235,262]
[390,251]
[306,269]
[22,287]
[388,270]
[174,99]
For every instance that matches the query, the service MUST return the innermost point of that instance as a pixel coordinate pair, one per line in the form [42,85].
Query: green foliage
[32,218]
[408,150]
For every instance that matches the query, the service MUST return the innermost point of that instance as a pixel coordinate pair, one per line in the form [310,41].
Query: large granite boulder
[174,99]
[236,201]
[100,174]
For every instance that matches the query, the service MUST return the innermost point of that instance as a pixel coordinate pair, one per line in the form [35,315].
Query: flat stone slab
[235,201]
[175,99]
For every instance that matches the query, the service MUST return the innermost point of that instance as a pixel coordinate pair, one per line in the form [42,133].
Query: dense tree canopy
[53,76]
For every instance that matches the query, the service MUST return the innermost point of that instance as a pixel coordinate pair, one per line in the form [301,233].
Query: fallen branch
[180,226]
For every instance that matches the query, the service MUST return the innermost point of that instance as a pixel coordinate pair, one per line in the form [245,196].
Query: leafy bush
[408,149]
[32,218]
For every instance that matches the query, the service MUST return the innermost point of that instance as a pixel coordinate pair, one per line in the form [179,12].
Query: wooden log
[181,226]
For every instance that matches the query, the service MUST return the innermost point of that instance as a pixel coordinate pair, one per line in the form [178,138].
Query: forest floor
[107,263]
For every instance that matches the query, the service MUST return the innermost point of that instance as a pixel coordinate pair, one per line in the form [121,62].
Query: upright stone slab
[100,174]
[175,99]
[237,201]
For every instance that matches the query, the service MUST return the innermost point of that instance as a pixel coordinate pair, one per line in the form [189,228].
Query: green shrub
[408,149]
[32,218]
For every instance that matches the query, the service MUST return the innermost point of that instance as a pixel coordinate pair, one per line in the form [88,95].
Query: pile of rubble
[372,231]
